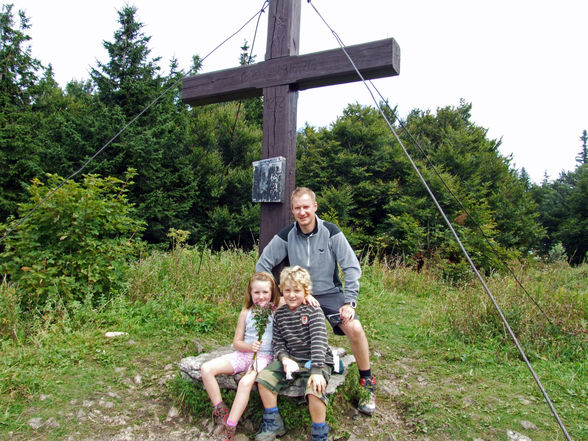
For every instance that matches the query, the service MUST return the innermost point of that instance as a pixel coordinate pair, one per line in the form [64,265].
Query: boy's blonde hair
[297,275]
[262,277]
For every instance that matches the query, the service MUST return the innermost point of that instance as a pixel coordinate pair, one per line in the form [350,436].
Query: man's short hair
[302,191]
[298,275]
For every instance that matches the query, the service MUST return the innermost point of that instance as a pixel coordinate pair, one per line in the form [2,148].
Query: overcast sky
[521,63]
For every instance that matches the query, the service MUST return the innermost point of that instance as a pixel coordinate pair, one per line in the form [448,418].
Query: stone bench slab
[190,370]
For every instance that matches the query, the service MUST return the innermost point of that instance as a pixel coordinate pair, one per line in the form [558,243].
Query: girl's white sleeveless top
[251,333]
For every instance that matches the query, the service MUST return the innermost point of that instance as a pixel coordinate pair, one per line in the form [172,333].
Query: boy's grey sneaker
[367,403]
[272,426]
[321,434]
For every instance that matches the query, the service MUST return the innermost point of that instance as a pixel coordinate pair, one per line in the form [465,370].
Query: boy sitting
[302,354]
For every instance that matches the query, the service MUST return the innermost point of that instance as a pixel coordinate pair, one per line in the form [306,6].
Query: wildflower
[261,316]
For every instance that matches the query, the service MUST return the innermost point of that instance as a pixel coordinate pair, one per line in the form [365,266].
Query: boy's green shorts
[274,378]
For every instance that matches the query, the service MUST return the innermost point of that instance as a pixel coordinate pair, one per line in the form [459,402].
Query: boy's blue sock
[319,425]
[271,410]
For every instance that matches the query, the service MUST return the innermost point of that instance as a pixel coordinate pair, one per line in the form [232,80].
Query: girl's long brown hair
[262,277]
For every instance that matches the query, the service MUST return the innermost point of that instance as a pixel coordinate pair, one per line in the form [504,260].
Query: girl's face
[261,292]
[293,293]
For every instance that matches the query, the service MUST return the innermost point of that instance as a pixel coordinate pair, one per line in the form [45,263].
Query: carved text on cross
[278,79]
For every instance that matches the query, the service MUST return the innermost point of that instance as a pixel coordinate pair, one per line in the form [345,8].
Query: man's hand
[310,300]
[318,382]
[347,313]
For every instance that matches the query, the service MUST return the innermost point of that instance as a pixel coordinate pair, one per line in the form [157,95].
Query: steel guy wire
[249,58]
[20,221]
[454,233]
[486,238]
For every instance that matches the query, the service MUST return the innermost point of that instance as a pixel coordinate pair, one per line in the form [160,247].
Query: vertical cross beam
[279,113]
[278,79]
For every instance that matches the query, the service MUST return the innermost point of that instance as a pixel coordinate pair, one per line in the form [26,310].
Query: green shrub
[76,244]
[557,253]
[9,310]
[189,397]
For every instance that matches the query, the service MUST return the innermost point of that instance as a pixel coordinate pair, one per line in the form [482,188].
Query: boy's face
[293,293]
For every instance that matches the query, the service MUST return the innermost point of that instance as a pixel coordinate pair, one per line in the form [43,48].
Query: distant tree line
[192,166]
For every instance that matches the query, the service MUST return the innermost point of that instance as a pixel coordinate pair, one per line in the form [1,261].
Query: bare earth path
[142,410]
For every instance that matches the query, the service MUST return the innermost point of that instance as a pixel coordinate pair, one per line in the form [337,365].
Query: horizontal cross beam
[374,60]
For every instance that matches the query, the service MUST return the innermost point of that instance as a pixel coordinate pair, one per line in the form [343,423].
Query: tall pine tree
[366,183]
[582,157]
[19,71]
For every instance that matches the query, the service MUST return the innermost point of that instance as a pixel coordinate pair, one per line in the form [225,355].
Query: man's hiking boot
[321,434]
[272,426]
[367,402]
[226,433]
[220,414]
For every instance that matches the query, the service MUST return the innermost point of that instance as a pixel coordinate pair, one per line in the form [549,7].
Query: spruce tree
[582,157]
[366,183]
[129,79]
[19,72]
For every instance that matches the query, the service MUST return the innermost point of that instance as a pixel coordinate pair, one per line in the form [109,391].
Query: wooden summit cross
[278,79]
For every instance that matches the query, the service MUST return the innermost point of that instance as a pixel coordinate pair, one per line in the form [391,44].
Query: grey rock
[44,397]
[389,388]
[113,334]
[51,422]
[352,412]
[190,370]
[172,413]
[468,401]
[514,436]
[106,404]
[35,423]
[528,425]
[198,348]
[422,380]
[137,379]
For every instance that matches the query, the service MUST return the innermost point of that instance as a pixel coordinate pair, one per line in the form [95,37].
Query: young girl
[262,290]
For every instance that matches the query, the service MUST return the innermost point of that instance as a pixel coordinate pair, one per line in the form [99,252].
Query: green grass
[463,388]
[457,377]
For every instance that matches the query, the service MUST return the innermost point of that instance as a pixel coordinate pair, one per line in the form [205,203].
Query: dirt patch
[146,413]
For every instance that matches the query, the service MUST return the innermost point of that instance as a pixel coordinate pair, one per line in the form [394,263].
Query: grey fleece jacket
[318,252]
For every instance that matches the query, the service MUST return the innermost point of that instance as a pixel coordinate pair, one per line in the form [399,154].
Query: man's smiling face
[304,211]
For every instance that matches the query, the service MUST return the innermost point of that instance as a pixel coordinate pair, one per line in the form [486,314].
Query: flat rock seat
[190,370]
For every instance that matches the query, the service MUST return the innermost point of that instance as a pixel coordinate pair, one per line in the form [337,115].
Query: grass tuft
[441,358]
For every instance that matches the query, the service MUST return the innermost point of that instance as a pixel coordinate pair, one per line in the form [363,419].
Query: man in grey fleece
[321,248]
